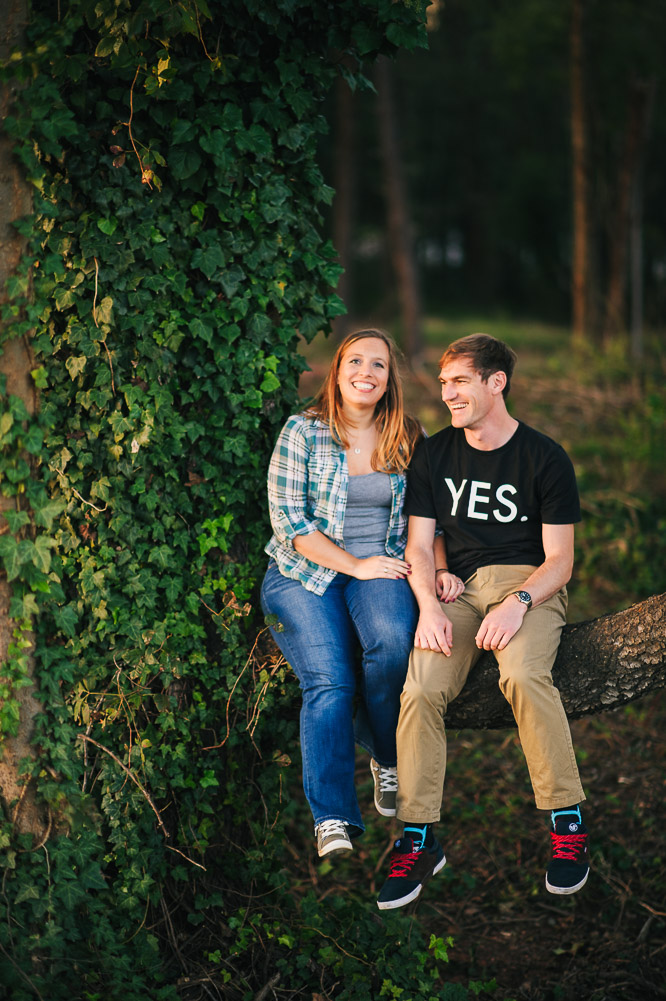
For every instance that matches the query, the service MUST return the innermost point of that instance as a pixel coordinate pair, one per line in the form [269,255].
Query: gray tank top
[367,514]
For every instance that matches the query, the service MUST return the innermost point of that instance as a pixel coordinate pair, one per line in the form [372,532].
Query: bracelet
[442,570]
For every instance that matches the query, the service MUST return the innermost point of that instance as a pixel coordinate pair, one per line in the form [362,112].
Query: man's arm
[500,625]
[434,630]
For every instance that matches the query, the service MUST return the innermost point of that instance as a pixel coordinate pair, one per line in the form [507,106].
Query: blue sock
[418,833]
[568,812]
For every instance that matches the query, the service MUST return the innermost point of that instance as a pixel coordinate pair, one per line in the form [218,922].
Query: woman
[337,579]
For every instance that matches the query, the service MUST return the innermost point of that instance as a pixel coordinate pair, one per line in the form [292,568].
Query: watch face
[525,597]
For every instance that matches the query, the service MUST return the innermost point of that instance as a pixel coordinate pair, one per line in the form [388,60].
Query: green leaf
[103,312]
[269,383]
[66,619]
[6,423]
[39,376]
[16,520]
[46,513]
[108,226]
[41,557]
[230,279]
[75,365]
[209,260]
[255,140]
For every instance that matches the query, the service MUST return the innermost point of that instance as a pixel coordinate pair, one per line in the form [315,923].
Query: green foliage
[174,257]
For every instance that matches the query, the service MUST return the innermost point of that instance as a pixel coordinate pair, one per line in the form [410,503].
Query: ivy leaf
[41,556]
[104,310]
[66,619]
[184,161]
[255,140]
[46,513]
[230,279]
[29,892]
[208,259]
[200,328]
[23,607]
[108,226]
[9,553]
[16,520]
[75,365]
[6,422]
[34,439]
[161,556]
[269,383]
[39,376]
[105,46]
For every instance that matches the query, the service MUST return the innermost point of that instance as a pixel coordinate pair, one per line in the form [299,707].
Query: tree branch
[602,664]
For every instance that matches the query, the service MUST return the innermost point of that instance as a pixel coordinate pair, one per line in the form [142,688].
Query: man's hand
[434,632]
[500,625]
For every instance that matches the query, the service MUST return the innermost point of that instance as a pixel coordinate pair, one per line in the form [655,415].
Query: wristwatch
[525,597]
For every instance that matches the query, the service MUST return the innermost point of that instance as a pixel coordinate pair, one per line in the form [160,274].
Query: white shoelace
[388,779]
[329,827]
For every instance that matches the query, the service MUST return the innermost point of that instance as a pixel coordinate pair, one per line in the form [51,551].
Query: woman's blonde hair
[398,433]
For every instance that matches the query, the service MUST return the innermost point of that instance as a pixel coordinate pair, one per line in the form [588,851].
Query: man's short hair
[487,355]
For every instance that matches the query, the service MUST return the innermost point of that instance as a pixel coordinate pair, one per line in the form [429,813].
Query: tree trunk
[16,799]
[636,238]
[601,664]
[636,136]
[580,265]
[399,227]
[343,203]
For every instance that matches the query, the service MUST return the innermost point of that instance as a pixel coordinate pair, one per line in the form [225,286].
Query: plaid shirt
[308,480]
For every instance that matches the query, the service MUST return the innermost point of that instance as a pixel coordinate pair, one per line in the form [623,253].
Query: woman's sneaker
[570,867]
[410,870]
[332,838]
[386,788]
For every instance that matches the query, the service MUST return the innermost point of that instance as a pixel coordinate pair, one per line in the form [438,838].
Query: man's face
[469,399]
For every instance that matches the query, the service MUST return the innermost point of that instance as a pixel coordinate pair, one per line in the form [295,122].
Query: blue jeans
[320,638]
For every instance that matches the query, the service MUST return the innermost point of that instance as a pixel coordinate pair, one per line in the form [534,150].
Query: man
[506,499]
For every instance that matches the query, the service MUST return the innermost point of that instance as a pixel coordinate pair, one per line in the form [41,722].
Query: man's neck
[491,434]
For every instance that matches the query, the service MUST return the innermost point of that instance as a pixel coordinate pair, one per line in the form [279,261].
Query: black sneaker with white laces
[410,869]
[569,867]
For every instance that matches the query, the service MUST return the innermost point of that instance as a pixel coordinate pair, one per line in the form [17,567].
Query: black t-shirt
[491,505]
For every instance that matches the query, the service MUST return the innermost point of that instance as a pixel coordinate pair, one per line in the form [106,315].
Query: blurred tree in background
[534,167]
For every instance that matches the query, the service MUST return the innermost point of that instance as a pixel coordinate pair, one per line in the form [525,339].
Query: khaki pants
[434,680]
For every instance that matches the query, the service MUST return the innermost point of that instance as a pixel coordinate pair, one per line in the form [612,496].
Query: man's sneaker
[409,872]
[569,867]
[332,838]
[386,787]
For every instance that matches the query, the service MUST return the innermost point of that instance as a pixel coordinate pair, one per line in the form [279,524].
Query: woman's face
[363,373]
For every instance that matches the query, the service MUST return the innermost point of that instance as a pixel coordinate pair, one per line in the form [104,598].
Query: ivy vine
[174,258]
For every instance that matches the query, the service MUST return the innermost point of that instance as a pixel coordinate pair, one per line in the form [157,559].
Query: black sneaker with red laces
[569,868]
[410,870]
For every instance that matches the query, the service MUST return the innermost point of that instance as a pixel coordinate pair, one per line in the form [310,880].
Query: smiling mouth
[364,386]
[458,406]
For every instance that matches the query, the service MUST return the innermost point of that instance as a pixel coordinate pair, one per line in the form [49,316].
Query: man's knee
[519,677]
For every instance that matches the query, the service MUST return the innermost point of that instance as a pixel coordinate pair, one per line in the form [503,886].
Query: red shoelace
[401,864]
[568,846]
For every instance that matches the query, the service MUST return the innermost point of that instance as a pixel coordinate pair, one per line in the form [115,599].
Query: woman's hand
[382,567]
[447,586]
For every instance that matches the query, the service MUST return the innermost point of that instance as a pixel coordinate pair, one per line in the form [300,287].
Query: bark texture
[601,664]
[16,798]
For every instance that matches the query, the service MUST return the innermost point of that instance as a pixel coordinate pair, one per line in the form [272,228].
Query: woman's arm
[320,549]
